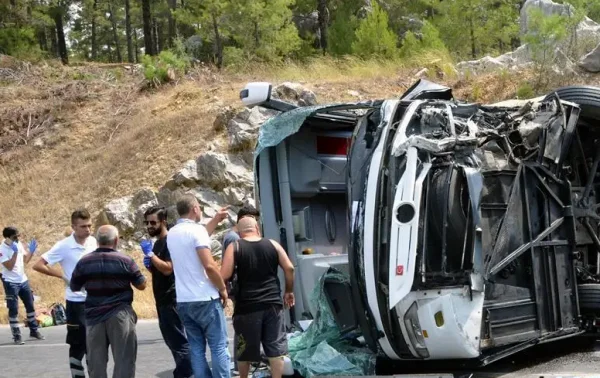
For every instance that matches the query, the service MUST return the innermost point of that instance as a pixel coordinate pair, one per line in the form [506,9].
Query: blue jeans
[205,324]
[14,291]
[173,332]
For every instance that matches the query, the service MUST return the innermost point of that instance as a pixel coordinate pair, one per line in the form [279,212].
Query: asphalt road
[48,358]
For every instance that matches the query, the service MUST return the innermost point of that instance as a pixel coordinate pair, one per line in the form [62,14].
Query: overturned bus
[467,231]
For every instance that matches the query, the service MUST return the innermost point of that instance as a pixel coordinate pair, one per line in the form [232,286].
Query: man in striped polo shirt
[107,275]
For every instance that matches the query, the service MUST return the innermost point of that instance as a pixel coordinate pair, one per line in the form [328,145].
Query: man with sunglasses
[16,285]
[67,252]
[158,261]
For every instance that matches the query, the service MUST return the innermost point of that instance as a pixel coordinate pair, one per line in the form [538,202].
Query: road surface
[48,358]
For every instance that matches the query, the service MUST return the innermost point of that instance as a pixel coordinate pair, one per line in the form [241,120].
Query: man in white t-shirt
[201,292]
[67,253]
[16,285]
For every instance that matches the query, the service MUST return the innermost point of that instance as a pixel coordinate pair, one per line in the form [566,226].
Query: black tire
[589,296]
[456,208]
[587,97]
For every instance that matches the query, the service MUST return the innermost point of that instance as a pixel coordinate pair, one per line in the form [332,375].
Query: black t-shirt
[163,286]
[257,263]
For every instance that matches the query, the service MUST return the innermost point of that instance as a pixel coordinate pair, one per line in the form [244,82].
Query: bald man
[107,275]
[258,313]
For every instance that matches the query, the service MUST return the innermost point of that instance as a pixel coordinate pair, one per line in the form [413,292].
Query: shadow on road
[537,355]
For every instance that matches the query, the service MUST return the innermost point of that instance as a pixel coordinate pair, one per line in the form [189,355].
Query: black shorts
[266,327]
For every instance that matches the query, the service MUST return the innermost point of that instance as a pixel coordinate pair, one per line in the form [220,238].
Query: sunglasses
[153,223]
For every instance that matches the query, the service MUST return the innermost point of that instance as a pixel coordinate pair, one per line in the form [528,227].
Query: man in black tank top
[258,312]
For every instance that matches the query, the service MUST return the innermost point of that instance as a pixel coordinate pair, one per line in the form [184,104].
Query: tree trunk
[54,42]
[94,36]
[137,46]
[57,13]
[172,23]
[218,43]
[472,33]
[147,17]
[115,33]
[323,19]
[157,46]
[130,57]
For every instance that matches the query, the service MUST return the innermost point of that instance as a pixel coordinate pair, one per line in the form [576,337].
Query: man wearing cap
[16,285]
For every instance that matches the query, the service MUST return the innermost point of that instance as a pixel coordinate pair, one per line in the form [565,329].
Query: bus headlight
[415,334]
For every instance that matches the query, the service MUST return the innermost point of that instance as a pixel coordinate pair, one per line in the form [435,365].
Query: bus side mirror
[256,93]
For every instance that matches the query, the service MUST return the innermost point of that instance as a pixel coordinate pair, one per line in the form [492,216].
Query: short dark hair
[185,204]
[82,214]
[9,232]
[247,210]
[160,211]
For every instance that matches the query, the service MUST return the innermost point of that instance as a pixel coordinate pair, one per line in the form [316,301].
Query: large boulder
[591,61]
[127,213]
[295,93]
[118,213]
[186,176]
[582,39]
[586,28]
[243,128]
[219,171]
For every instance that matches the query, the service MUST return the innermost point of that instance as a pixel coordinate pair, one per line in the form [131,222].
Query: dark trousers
[76,337]
[118,332]
[173,333]
[14,291]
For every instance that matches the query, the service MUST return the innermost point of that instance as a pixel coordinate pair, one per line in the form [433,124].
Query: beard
[154,232]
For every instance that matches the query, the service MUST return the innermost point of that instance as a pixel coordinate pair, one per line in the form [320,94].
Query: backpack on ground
[59,314]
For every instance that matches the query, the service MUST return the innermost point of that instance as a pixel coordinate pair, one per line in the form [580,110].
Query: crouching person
[258,313]
[107,275]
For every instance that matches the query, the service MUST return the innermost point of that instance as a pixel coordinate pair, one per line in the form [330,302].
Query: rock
[483,65]
[187,176]
[353,93]
[307,25]
[234,196]
[219,171]
[585,33]
[587,28]
[591,61]
[225,115]
[215,247]
[144,199]
[243,128]
[38,142]
[118,213]
[295,93]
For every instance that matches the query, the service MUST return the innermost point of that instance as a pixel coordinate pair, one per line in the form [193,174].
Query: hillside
[83,135]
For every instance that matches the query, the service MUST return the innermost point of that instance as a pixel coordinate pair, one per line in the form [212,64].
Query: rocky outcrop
[587,32]
[215,178]
[591,61]
[243,129]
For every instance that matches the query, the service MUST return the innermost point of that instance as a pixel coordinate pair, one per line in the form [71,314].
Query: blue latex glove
[33,246]
[147,247]
[15,247]
[147,262]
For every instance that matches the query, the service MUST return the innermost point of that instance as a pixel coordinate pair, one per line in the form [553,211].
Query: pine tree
[374,37]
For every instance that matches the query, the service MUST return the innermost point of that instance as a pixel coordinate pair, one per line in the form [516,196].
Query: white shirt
[191,282]
[17,274]
[67,253]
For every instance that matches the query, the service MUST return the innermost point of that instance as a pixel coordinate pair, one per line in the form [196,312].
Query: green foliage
[545,32]
[234,57]
[166,67]
[525,91]
[342,30]
[429,41]
[374,37]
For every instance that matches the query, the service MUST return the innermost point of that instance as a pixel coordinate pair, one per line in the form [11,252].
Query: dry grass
[115,139]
